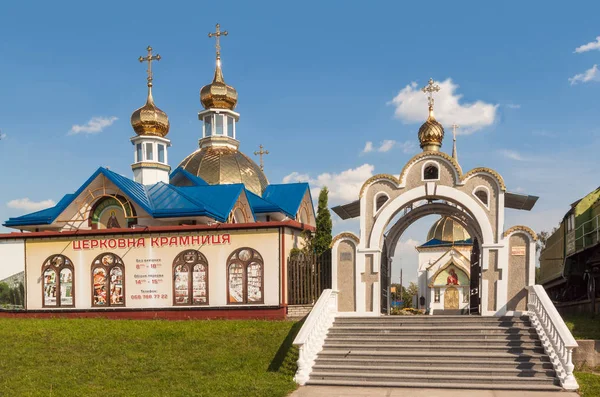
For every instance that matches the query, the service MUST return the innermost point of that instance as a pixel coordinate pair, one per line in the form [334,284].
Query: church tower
[218,160]
[151,126]
[431,132]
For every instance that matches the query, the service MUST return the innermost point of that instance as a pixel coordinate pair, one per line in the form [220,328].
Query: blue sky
[316,82]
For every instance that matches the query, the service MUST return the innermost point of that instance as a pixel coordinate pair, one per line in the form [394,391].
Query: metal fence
[308,276]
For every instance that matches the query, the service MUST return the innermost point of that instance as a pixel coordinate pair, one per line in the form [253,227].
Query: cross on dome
[149,58]
[429,89]
[217,35]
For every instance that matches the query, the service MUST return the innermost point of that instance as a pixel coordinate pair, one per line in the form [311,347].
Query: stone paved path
[342,391]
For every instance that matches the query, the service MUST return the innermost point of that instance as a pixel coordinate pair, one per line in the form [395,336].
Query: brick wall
[298,311]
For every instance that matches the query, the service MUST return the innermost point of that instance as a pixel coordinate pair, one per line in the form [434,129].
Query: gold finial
[217,35]
[260,153]
[429,89]
[149,119]
[149,58]
[454,152]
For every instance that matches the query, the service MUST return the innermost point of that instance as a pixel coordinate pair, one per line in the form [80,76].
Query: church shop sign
[174,241]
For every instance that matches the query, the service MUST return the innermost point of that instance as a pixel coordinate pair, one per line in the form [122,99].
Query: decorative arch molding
[521,229]
[379,177]
[238,212]
[345,236]
[444,267]
[107,200]
[484,170]
[420,193]
[441,155]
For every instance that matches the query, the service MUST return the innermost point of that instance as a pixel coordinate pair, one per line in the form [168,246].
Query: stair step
[415,335]
[429,329]
[438,378]
[380,345]
[426,363]
[407,369]
[377,354]
[506,386]
[388,340]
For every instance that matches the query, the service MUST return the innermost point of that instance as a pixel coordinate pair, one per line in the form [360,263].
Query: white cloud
[28,205]
[2,136]
[368,147]
[594,45]
[408,147]
[296,177]
[589,75]
[411,107]
[386,145]
[343,187]
[95,125]
[512,154]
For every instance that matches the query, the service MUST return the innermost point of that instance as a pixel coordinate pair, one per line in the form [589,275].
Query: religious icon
[452,278]
[113,222]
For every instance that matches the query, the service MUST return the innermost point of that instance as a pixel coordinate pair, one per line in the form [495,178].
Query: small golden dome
[224,165]
[218,94]
[431,133]
[149,119]
[447,230]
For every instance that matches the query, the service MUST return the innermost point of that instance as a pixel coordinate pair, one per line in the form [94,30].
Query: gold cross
[217,35]
[149,59]
[260,153]
[429,89]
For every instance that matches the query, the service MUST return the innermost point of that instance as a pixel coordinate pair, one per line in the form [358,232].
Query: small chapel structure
[444,267]
[209,238]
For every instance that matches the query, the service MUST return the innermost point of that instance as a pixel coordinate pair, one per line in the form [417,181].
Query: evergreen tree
[322,239]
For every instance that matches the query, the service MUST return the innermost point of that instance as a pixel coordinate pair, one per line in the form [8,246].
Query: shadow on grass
[285,359]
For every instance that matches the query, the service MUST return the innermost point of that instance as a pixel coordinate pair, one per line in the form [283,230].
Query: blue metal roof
[181,177]
[287,196]
[261,206]
[163,200]
[434,242]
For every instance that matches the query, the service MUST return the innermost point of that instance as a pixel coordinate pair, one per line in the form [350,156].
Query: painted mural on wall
[451,275]
[112,213]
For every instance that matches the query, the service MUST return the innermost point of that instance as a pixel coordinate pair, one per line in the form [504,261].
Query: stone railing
[312,335]
[554,334]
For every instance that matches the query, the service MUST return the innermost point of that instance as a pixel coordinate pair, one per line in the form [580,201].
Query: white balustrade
[312,335]
[556,338]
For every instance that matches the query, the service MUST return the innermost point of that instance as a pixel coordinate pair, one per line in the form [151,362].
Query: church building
[444,268]
[209,238]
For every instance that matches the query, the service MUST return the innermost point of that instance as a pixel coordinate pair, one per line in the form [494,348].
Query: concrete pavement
[344,391]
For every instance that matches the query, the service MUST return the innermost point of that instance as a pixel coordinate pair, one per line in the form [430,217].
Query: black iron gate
[475,300]
[308,276]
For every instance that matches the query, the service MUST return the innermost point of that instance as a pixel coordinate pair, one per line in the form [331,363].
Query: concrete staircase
[467,352]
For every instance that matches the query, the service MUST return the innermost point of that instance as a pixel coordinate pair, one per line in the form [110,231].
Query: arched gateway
[432,182]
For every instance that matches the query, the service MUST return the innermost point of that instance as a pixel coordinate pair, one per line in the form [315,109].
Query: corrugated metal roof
[287,196]
[262,206]
[181,177]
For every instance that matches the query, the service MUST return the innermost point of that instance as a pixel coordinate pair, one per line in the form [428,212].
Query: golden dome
[431,133]
[447,230]
[218,94]
[149,119]
[224,165]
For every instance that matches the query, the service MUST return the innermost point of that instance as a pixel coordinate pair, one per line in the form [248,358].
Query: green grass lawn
[583,326]
[589,384]
[146,358]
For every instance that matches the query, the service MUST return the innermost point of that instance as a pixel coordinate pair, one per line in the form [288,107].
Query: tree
[408,293]
[322,238]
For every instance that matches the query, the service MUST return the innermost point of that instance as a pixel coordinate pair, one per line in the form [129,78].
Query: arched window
[190,275]
[57,285]
[481,192]
[380,200]
[108,281]
[431,172]
[245,277]
[482,195]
